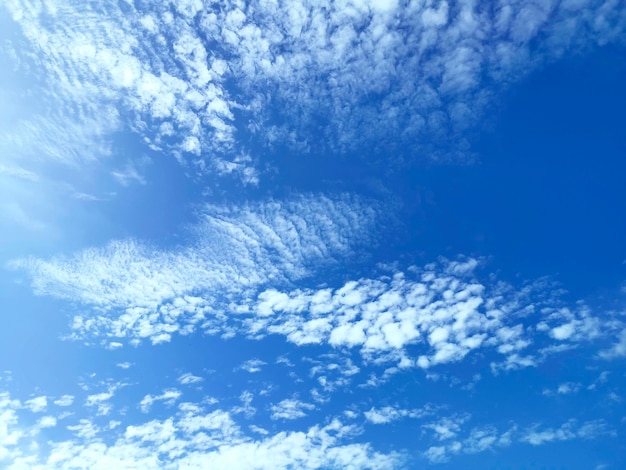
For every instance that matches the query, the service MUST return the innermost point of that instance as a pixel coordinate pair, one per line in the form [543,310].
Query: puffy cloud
[447,428]
[441,312]
[449,313]
[566,388]
[191,438]
[37,404]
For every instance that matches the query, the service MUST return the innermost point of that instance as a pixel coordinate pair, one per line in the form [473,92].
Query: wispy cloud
[618,349]
[101,401]
[442,311]
[152,293]
[128,174]
[188,378]
[37,404]
[65,400]
[389,414]
[168,397]
[451,439]
[252,365]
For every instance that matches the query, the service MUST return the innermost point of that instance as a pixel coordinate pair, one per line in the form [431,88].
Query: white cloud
[189,378]
[168,397]
[478,440]
[566,388]
[246,407]
[447,428]
[290,408]
[10,432]
[47,422]
[18,172]
[129,174]
[450,440]
[388,414]
[441,313]
[190,80]
[569,430]
[102,400]
[85,429]
[565,325]
[563,331]
[333,371]
[387,314]
[618,349]
[192,438]
[37,404]
[436,454]
[141,292]
[252,365]
[65,400]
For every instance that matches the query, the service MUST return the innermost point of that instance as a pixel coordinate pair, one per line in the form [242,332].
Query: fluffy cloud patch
[151,293]
[443,310]
[37,404]
[193,437]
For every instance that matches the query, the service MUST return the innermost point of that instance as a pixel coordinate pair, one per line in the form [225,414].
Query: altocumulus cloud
[433,315]
[152,293]
[192,79]
[193,437]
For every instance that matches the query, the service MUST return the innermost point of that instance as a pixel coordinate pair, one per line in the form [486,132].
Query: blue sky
[287,234]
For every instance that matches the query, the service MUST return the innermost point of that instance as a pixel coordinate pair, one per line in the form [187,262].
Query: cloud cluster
[188,379]
[144,292]
[454,440]
[429,316]
[193,437]
[423,317]
[569,430]
[195,79]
